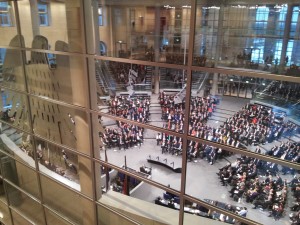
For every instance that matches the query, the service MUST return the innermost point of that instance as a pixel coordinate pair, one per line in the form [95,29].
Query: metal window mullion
[23,54]
[187,108]
[85,23]
[246,153]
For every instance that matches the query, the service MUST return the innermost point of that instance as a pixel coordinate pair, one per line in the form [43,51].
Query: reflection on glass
[55,161]
[57,123]
[52,218]
[18,144]
[7,23]
[65,201]
[20,175]
[145,200]
[234,35]
[247,185]
[49,27]
[5,215]
[11,69]
[110,217]
[18,219]
[205,215]
[129,144]
[25,205]
[52,76]
[14,110]
[265,112]
[153,33]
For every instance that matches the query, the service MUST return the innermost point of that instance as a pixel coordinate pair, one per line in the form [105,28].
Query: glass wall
[142,112]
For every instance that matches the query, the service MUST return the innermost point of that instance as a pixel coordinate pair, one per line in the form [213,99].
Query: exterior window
[5,20]
[262,15]
[281,20]
[43,14]
[100,16]
[294,22]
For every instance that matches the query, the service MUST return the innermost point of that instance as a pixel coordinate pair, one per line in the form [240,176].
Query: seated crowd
[295,208]
[201,109]
[127,135]
[255,124]
[268,194]
[124,136]
[136,108]
[285,90]
[252,125]
[289,151]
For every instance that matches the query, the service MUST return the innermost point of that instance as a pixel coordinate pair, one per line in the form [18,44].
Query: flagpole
[106,172]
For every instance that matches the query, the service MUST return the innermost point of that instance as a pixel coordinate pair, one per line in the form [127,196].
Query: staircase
[148,78]
[198,82]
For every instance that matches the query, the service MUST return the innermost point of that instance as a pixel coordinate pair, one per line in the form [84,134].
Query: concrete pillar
[286,36]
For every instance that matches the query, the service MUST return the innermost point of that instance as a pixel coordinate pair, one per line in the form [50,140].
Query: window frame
[43,15]
[100,16]
[5,13]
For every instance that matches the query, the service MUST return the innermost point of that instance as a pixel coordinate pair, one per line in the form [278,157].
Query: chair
[177,200]
[167,196]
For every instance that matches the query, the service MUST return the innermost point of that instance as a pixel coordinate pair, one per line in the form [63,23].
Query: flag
[126,182]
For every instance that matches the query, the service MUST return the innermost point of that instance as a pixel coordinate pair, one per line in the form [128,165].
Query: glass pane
[14,111]
[20,175]
[25,205]
[242,182]
[18,219]
[18,144]
[11,68]
[245,36]
[125,90]
[144,202]
[60,124]
[59,163]
[57,77]
[65,202]
[198,214]
[7,25]
[152,32]
[245,112]
[4,214]
[107,217]
[143,150]
[52,218]
[53,29]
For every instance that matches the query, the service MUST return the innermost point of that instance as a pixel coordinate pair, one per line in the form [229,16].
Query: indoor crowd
[250,181]
[127,135]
